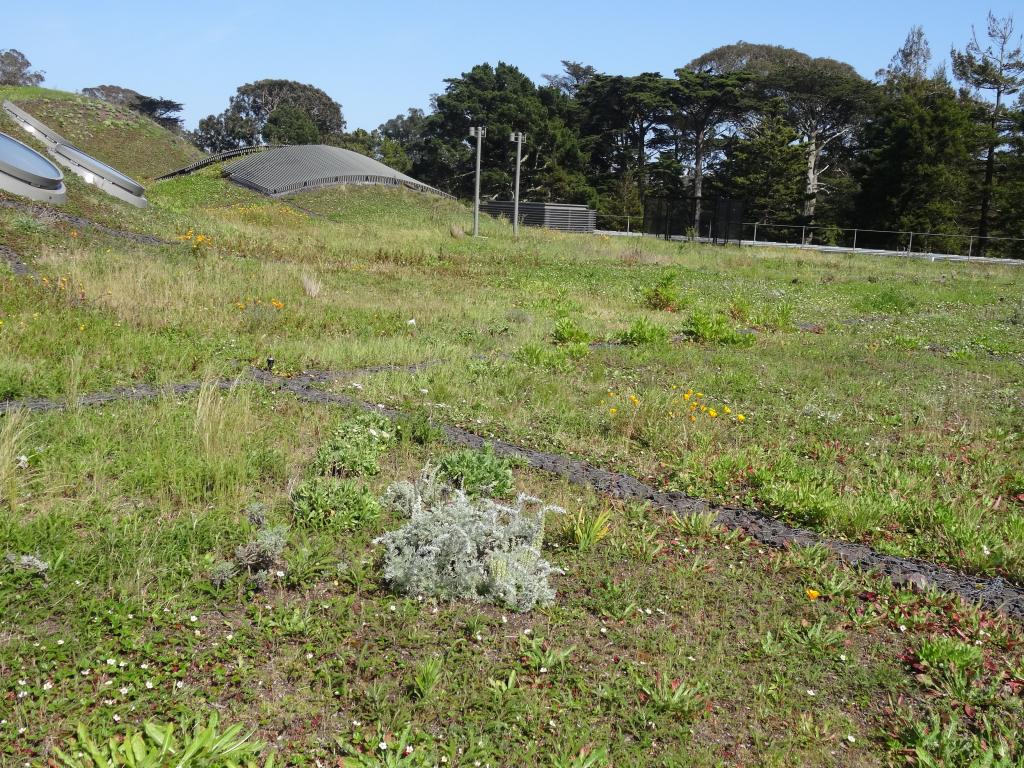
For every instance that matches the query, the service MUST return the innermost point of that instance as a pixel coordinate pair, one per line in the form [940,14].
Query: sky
[378,59]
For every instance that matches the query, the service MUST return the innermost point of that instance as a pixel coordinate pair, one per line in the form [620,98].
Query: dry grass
[13,433]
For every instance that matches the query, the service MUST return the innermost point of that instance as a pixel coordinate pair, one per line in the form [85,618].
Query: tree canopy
[16,69]
[243,122]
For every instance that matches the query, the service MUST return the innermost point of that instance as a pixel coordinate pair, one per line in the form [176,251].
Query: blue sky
[378,59]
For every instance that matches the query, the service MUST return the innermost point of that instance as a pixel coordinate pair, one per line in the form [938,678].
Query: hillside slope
[119,137]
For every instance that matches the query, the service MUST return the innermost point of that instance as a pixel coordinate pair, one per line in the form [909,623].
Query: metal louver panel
[565,217]
[280,170]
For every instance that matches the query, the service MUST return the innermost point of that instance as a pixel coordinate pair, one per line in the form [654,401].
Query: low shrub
[416,428]
[889,299]
[190,746]
[664,295]
[256,560]
[643,332]
[479,473]
[323,502]
[455,547]
[568,331]
[715,329]
[356,446]
[942,652]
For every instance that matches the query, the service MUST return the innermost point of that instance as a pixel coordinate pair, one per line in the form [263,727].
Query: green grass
[874,400]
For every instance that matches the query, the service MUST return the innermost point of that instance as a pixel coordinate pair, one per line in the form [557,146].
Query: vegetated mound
[389,206]
[131,143]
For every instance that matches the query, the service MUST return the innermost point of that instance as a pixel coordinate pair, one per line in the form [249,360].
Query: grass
[874,400]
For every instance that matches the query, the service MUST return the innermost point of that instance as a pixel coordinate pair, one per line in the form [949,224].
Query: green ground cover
[878,400]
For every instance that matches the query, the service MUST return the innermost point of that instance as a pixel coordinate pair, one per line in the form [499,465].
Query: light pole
[478,132]
[517,137]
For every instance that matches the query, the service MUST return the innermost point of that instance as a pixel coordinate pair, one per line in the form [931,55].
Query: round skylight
[25,172]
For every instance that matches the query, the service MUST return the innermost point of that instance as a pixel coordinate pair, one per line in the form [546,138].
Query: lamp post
[517,137]
[478,132]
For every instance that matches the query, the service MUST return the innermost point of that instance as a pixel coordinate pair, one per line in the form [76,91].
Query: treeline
[798,140]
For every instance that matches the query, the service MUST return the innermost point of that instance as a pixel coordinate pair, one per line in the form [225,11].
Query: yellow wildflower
[812,594]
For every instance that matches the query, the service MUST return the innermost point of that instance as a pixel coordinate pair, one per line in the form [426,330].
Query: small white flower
[543,670]
[357,723]
[193,619]
[180,684]
[811,692]
[309,656]
[423,391]
[23,461]
[117,718]
[842,657]
[47,685]
[411,322]
[903,627]
[22,694]
[60,642]
[382,746]
[23,682]
[408,749]
[280,574]
[230,636]
[124,690]
[143,665]
[149,685]
[85,672]
[111,662]
[851,738]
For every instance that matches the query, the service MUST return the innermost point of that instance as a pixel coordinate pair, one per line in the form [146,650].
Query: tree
[290,125]
[113,94]
[914,171]
[911,60]
[16,69]
[619,118]
[504,100]
[164,112]
[825,100]
[574,77]
[1008,192]
[764,168]
[401,140]
[242,123]
[998,67]
[704,103]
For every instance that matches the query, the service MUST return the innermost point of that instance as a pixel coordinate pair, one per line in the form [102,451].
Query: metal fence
[884,240]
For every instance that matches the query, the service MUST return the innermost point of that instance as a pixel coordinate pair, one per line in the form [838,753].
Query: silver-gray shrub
[455,547]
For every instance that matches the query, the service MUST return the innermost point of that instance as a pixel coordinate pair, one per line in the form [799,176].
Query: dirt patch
[13,260]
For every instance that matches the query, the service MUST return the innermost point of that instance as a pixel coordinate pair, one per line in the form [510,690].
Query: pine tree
[999,68]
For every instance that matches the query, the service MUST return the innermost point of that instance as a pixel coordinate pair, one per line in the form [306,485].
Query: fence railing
[899,241]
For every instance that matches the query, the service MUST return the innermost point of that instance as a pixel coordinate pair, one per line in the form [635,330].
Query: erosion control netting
[993,593]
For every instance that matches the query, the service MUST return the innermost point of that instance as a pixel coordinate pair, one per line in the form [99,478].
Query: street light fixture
[478,132]
[517,137]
